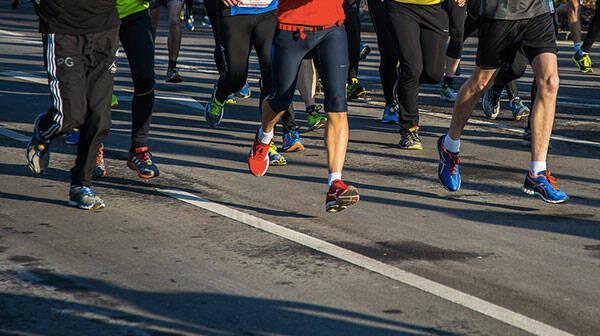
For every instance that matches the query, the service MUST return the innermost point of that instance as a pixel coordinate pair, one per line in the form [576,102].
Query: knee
[548,85]
[432,76]
[144,85]
[477,85]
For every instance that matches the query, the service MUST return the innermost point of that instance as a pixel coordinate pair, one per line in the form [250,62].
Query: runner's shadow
[176,312]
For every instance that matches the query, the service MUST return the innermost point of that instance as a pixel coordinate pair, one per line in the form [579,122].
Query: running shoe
[448,167]
[292,142]
[38,151]
[315,119]
[491,104]
[85,198]
[390,114]
[410,139]
[114,101]
[365,50]
[214,111]
[140,160]
[583,62]
[526,138]
[275,158]
[72,137]
[354,90]
[340,196]
[545,186]
[230,100]
[258,158]
[100,169]
[189,25]
[448,93]
[173,76]
[245,92]
[519,109]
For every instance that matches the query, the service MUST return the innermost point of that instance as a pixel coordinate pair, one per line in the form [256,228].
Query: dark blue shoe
[390,114]
[85,198]
[292,142]
[449,167]
[544,185]
[245,92]
[72,137]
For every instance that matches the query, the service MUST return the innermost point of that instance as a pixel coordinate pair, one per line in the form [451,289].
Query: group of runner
[300,43]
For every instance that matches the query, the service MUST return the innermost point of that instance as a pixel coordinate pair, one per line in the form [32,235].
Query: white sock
[332,177]
[453,146]
[577,45]
[265,138]
[537,167]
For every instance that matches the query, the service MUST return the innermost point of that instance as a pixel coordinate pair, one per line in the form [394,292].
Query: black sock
[172,64]
[448,80]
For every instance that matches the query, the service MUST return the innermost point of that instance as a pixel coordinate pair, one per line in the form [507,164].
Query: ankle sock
[537,166]
[332,177]
[265,137]
[453,146]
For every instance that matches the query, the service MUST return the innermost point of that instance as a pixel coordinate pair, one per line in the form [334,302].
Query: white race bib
[255,3]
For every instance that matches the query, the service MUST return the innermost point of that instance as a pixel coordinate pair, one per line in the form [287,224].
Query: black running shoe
[410,139]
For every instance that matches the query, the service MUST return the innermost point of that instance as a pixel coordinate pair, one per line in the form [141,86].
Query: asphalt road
[151,264]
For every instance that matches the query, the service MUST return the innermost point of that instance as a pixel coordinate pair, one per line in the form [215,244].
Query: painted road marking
[6,32]
[13,135]
[193,103]
[471,302]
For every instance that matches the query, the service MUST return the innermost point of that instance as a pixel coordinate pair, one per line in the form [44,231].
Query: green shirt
[128,7]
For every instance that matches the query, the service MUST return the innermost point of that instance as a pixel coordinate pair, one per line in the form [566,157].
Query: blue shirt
[237,10]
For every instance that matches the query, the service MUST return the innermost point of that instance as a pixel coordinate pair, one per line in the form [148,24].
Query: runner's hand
[230,3]
[461,3]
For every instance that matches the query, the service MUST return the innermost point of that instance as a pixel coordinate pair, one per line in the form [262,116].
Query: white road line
[471,302]
[25,76]
[13,135]
[6,32]
[498,126]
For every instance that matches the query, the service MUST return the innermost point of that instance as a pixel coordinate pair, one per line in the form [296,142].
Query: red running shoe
[258,159]
[340,196]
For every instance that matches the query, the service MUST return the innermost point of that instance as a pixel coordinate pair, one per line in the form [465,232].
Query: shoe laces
[99,156]
[412,133]
[552,180]
[454,162]
[87,191]
[261,150]
[144,156]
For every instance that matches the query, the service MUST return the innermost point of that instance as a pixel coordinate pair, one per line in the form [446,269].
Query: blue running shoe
[85,198]
[292,142]
[544,185]
[390,114]
[245,92]
[72,137]
[448,168]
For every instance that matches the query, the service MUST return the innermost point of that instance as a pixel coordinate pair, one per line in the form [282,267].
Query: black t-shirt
[514,9]
[74,17]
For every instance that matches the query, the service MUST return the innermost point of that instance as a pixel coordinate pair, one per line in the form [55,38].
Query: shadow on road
[112,310]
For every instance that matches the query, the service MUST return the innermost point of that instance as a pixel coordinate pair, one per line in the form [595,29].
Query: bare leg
[270,118]
[574,21]
[451,66]
[174,42]
[154,16]
[307,82]
[545,67]
[468,96]
[336,140]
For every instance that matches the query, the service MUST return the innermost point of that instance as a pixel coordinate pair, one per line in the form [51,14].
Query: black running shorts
[500,40]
